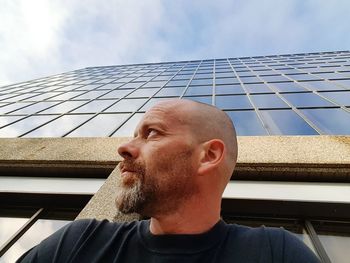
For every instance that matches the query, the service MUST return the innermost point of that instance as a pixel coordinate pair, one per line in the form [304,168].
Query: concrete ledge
[314,158]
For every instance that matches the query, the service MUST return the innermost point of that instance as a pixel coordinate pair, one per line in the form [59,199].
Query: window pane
[116,94]
[59,127]
[64,107]
[168,92]
[9,226]
[199,90]
[100,126]
[331,121]
[257,88]
[287,86]
[220,81]
[202,81]
[94,106]
[177,83]
[306,100]
[127,105]
[228,89]
[335,238]
[233,102]
[321,85]
[268,101]
[286,122]
[24,125]
[274,78]
[38,232]
[143,93]
[13,106]
[91,94]
[341,97]
[246,123]
[129,127]
[4,120]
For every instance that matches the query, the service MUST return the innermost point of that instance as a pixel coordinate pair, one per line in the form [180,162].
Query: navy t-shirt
[102,241]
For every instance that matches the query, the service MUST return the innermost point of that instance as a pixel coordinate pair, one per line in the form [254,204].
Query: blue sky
[45,37]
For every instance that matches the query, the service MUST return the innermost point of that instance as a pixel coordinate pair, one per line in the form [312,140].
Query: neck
[193,219]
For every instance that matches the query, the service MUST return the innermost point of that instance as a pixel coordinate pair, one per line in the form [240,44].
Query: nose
[128,150]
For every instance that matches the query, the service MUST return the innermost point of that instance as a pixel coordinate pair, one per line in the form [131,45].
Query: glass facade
[297,94]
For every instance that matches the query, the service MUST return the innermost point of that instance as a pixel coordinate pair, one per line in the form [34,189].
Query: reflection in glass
[100,126]
[321,85]
[94,106]
[38,232]
[24,125]
[306,100]
[59,127]
[274,78]
[228,89]
[4,120]
[143,93]
[287,87]
[177,83]
[13,106]
[63,107]
[35,107]
[340,97]
[199,90]
[285,122]
[9,226]
[169,92]
[257,88]
[91,94]
[128,128]
[268,101]
[67,95]
[220,81]
[233,102]
[202,82]
[127,105]
[246,123]
[116,94]
[330,121]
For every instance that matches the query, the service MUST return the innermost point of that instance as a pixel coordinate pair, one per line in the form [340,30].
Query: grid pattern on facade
[300,94]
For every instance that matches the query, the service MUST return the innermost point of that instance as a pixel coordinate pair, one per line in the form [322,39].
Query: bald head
[206,123]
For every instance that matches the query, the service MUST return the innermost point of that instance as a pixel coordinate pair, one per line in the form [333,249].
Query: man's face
[157,173]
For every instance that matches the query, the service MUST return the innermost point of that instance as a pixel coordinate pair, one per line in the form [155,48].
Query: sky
[46,37]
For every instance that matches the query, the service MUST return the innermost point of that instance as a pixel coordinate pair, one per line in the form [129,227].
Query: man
[174,171]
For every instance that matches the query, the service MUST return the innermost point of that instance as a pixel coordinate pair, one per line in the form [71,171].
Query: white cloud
[50,36]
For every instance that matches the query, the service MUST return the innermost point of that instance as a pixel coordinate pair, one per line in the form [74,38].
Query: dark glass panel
[228,89]
[268,101]
[202,81]
[287,86]
[199,90]
[246,123]
[257,88]
[306,100]
[330,121]
[340,97]
[233,102]
[285,122]
[321,85]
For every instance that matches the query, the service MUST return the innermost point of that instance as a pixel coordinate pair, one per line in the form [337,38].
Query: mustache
[133,166]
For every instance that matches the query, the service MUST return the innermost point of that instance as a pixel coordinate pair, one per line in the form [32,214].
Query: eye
[151,133]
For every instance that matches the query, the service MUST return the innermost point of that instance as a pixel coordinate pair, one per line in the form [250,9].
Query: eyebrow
[147,124]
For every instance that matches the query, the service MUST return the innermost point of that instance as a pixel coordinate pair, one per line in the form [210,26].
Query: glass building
[293,94]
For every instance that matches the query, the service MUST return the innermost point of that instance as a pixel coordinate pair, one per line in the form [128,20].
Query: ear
[212,154]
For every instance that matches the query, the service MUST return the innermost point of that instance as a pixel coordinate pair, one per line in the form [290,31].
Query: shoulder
[74,235]
[276,243]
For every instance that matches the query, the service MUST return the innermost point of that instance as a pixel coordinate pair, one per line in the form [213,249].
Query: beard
[160,190]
